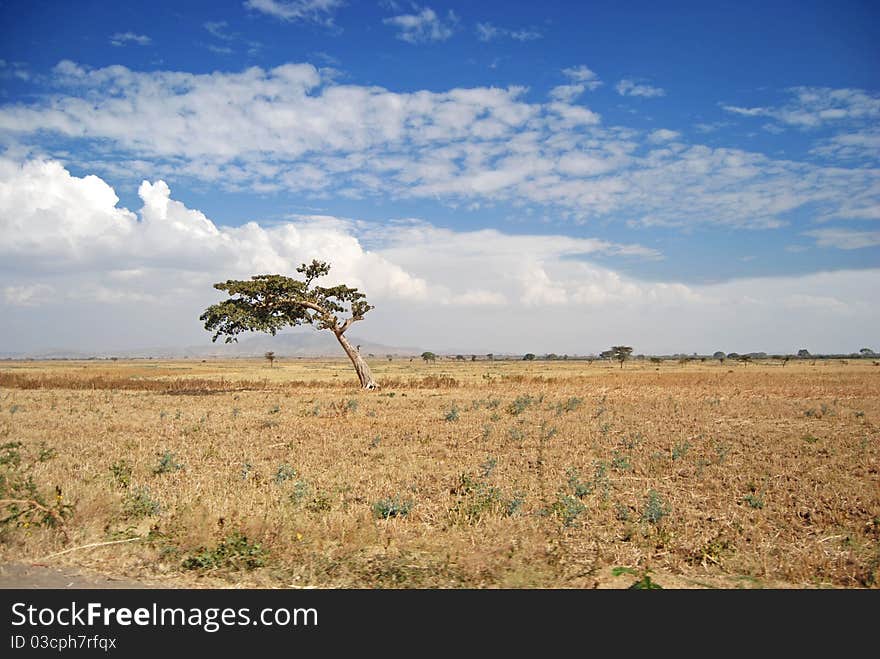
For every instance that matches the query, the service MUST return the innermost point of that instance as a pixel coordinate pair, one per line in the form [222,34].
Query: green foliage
[429,356]
[284,473]
[121,471]
[268,303]
[391,507]
[754,500]
[452,414]
[24,501]
[580,489]
[521,404]
[138,503]
[477,498]
[529,357]
[235,552]
[655,509]
[167,463]
[680,450]
[645,583]
[621,353]
[570,405]
[620,462]
[567,508]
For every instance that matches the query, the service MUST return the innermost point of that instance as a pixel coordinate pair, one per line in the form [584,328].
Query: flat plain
[455,474]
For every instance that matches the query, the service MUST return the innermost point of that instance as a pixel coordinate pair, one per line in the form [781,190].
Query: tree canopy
[621,353]
[268,303]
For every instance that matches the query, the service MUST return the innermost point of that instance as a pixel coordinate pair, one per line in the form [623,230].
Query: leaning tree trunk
[360,365]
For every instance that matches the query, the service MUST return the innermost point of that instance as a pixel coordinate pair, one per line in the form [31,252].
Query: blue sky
[515,160]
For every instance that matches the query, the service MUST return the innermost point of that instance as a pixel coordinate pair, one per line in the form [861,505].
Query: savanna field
[486,474]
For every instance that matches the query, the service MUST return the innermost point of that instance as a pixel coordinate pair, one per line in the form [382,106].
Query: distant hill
[305,343]
[296,344]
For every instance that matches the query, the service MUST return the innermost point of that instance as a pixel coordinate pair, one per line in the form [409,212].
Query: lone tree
[267,303]
[621,353]
[270,357]
[429,357]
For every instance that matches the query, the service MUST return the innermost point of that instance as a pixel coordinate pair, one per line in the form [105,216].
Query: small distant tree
[529,357]
[267,303]
[867,352]
[473,358]
[490,357]
[803,353]
[270,357]
[621,353]
[390,357]
[459,358]
[719,356]
[429,357]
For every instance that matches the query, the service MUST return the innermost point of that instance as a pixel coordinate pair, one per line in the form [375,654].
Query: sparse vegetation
[552,470]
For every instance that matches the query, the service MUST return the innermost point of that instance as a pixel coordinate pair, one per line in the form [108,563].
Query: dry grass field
[454,474]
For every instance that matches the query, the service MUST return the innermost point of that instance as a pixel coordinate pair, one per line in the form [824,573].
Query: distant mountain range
[294,344]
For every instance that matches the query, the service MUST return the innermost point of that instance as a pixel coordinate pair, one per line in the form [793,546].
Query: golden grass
[512,474]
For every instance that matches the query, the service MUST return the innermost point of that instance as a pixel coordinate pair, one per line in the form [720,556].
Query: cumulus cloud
[122,278]
[629,87]
[315,11]
[424,26]
[124,38]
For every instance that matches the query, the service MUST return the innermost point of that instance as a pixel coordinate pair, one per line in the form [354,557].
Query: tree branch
[348,323]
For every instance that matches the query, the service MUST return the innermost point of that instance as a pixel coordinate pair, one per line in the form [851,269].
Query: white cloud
[850,146]
[126,280]
[295,128]
[663,135]
[629,87]
[489,32]
[315,11]
[424,26]
[845,238]
[123,38]
[812,107]
[583,76]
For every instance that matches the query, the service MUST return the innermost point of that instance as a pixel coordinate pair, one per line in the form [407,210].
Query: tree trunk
[361,366]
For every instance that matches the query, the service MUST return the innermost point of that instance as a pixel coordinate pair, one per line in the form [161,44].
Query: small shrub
[121,471]
[139,503]
[655,509]
[452,414]
[567,508]
[680,450]
[22,501]
[391,507]
[620,462]
[284,473]
[521,404]
[235,552]
[579,489]
[167,463]
[754,500]
[570,405]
